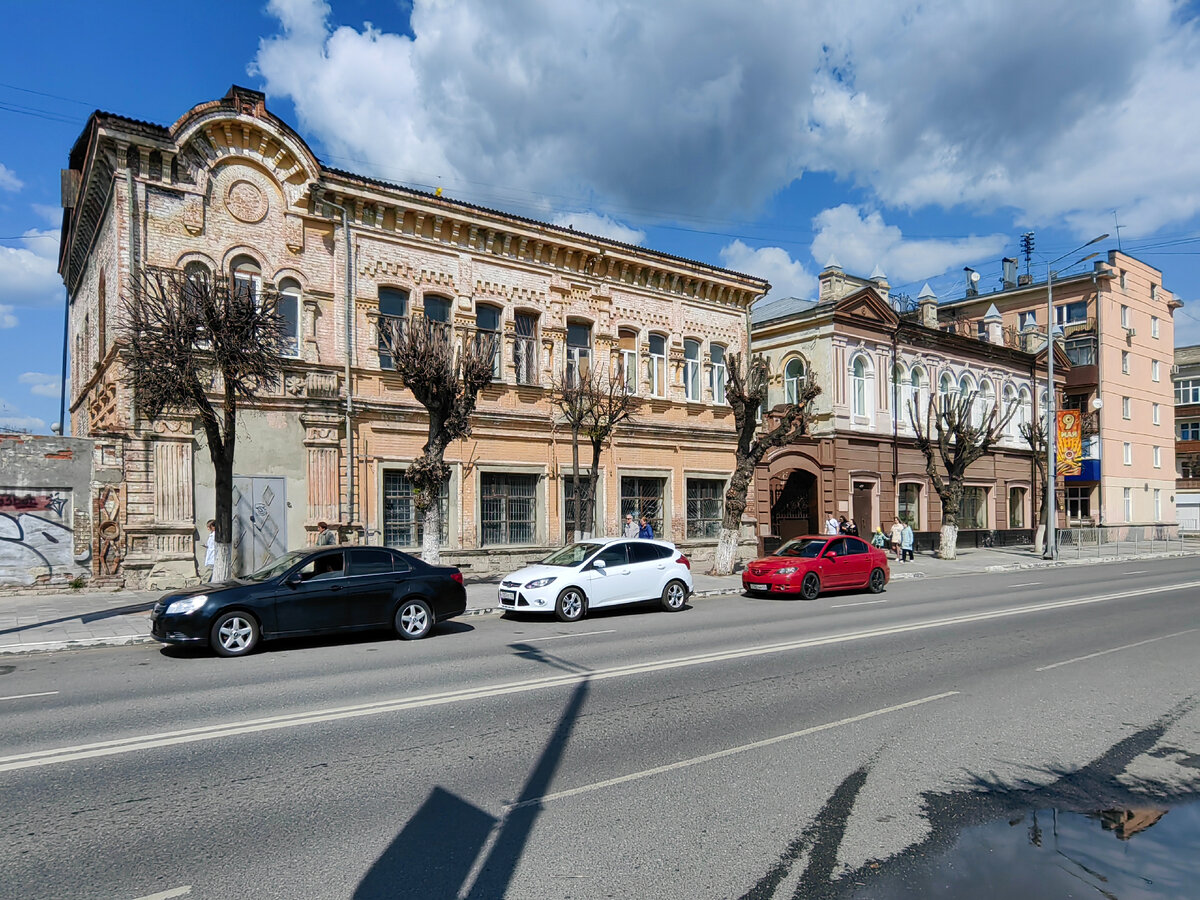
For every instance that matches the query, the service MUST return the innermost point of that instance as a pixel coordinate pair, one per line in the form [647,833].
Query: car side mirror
[599,564]
[295,579]
[831,555]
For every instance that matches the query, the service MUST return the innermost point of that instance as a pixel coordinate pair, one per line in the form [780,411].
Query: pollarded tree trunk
[948,538]
[223,483]
[731,523]
[431,535]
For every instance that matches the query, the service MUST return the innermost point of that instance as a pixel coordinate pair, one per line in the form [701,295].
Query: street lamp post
[1051,549]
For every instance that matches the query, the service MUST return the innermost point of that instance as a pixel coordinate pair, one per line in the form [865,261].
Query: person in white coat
[631,527]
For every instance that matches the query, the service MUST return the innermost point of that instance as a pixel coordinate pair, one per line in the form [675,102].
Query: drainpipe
[62,392]
[895,417]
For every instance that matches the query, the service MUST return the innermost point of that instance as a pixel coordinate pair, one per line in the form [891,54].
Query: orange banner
[1070,442]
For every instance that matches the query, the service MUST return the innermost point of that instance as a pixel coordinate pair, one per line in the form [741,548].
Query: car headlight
[539,582]
[787,570]
[187,605]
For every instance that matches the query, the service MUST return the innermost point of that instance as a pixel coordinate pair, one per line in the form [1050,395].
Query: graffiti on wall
[36,538]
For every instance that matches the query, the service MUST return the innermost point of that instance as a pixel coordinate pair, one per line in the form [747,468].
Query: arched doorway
[794,504]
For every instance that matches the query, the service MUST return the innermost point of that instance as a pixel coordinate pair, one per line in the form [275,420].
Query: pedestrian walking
[210,552]
[852,527]
[647,530]
[631,527]
[831,524]
[325,537]
[906,543]
[878,539]
[842,525]
[897,534]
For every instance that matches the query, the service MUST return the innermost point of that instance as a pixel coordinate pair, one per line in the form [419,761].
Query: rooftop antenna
[1027,248]
[1117,228]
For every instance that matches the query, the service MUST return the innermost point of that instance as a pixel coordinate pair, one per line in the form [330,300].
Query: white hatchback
[601,572]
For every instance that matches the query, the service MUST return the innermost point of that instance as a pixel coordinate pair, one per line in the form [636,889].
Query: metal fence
[1122,540]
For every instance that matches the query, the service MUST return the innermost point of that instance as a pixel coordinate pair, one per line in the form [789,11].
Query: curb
[75,643]
[1088,561]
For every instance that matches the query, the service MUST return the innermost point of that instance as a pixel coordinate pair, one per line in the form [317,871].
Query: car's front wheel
[875,585]
[810,587]
[674,596]
[571,605]
[414,619]
[234,634]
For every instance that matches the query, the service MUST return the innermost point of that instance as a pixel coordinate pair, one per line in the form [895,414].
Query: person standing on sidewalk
[210,552]
[832,526]
[897,534]
[647,530]
[906,544]
[631,528]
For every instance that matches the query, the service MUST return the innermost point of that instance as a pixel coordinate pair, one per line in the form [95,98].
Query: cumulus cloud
[861,241]
[9,180]
[41,384]
[29,273]
[11,419]
[7,319]
[599,225]
[937,103]
[788,277]
[49,213]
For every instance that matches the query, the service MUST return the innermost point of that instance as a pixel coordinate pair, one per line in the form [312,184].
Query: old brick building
[230,188]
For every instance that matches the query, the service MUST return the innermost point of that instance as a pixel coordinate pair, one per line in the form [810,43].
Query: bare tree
[446,379]
[591,406]
[746,392]
[950,436]
[202,344]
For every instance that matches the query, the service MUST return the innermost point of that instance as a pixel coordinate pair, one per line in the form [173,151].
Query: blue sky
[761,136]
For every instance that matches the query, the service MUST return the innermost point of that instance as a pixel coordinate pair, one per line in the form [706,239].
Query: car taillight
[683,559]
[457,576]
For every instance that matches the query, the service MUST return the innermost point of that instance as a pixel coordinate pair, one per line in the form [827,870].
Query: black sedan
[313,592]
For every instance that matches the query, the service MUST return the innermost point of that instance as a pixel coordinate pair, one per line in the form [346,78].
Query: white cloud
[940,103]
[41,384]
[788,277]
[7,319]
[9,180]
[49,213]
[29,274]
[862,240]
[599,225]
[11,419]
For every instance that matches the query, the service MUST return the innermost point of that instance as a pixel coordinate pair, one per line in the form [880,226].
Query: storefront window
[1016,507]
[908,505]
[973,512]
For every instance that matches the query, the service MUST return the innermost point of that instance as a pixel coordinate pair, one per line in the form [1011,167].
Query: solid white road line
[23,696]
[397,704]
[1027,584]
[860,603]
[1067,662]
[555,637]
[1136,572]
[730,751]
[167,895]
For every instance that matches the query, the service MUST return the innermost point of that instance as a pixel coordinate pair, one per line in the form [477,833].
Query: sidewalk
[38,622]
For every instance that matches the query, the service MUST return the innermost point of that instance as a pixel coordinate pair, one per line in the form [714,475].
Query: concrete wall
[45,521]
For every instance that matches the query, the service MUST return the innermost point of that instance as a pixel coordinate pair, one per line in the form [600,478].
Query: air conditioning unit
[1175,370]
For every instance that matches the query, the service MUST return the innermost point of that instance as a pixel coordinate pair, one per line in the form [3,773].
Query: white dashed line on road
[23,696]
[1067,662]
[1027,584]
[1136,572]
[555,637]
[861,603]
[167,895]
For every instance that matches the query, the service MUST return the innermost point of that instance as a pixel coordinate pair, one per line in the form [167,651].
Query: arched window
[794,374]
[691,370]
[393,307]
[986,403]
[717,375]
[658,365]
[247,277]
[579,351]
[627,364]
[1010,400]
[859,393]
[946,389]
[1043,407]
[487,335]
[289,312]
[1024,408]
[918,384]
[899,393]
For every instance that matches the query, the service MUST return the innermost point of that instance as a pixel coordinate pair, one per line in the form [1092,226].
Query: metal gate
[259,521]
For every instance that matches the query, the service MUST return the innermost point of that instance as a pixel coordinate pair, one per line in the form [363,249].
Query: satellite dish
[1097,403]
[974,276]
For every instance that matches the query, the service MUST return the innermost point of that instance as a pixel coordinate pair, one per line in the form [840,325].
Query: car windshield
[572,555]
[809,548]
[277,566]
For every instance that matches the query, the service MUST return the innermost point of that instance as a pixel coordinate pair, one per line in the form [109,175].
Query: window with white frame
[658,365]
[918,386]
[986,402]
[1124,316]
[628,372]
[1187,390]
[1127,453]
[525,353]
[487,336]
[1043,407]
[705,507]
[1079,504]
[717,375]
[1123,280]
[1126,408]
[1016,507]
[691,371]
[859,392]
[1189,430]
[247,277]
[793,380]
[1158,457]
[1154,327]
[579,352]
[908,503]
[393,306]
[1157,505]
[1013,425]
[1153,291]
[1127,497]
[288,309]
[1154,370]
[1154,413]
[1070,313]
[945,389]
[1124,362]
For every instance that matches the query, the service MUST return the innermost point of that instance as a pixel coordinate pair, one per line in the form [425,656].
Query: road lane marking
[167,895]
[730,751]
[1067,662]
[861,603]
[1027,584]
[397,704]
[1136,572]
[23,696]
[555,637]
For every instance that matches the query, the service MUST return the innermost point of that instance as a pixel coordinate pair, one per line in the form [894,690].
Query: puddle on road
[1146,853]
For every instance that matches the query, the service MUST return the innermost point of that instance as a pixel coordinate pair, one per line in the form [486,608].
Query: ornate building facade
[230,188]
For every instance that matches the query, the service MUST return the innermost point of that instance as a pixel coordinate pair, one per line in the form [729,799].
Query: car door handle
[335,587]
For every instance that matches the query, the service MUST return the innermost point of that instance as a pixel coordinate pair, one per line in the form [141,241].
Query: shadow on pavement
[85,618]
[432,857]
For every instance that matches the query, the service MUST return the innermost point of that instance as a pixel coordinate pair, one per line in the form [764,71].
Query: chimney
[994,324]
[927,304]
[1010,272]
[1024,280]
[832,281]
[972,281]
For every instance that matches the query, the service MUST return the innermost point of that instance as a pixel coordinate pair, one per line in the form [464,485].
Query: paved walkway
[33,622]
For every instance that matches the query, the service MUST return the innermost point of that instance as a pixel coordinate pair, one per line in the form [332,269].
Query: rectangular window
[579,351]
[1187,391]
[508,508]
[1127,496]
[1123,280]
[403,526]
[691,371]
[571,505]
[1127,453]
[658,365]
[1124,362]
[1189,430]
[1157,505]
[487,336]
[1154,414]
[1016,507]
[908,505]
[288,308]
[1124,316]
[1079,504]
[1154,370]
[1126,405]
[525,348]
[1158,457]
[1153,291]
[628,374]
[705,507]
[718,373]
[393,305]
[1154,327]
[973,511]
[643,497]
[1071,313]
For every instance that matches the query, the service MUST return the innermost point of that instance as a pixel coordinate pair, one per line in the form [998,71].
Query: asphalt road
[745,747]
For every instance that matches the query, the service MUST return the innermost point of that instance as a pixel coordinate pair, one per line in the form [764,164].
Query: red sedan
[809,565]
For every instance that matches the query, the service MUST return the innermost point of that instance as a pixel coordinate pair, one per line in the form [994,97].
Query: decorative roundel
[246,202]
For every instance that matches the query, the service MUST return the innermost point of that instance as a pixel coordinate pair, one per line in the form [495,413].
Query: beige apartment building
[1117,328]
[229,188]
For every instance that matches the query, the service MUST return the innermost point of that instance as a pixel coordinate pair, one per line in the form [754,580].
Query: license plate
[760,587]
[508,595]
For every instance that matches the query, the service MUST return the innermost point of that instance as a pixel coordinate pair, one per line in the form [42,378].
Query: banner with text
[1070,442]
